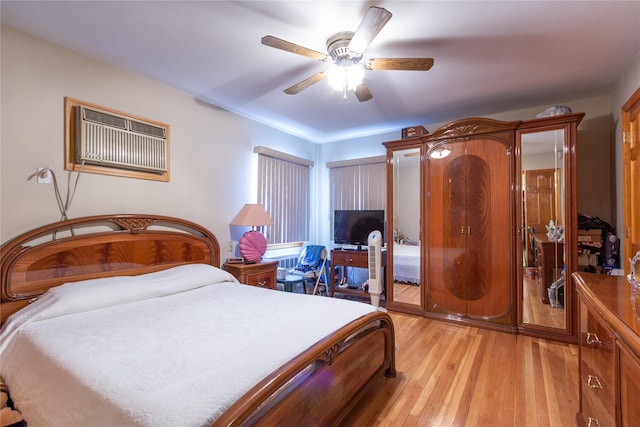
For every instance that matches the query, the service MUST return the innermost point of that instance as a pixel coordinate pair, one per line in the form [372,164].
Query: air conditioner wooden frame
[70,163]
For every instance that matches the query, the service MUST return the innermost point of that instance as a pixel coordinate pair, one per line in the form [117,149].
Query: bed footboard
[321,385]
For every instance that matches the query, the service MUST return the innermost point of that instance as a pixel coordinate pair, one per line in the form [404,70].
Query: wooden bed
[297,393]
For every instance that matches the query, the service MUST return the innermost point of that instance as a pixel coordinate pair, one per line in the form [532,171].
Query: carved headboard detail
[98,246]
[134,224]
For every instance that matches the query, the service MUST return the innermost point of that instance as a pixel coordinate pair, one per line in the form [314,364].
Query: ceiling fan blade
[363,93]
[411,64]
[294,48]
[300,86]
[371,24]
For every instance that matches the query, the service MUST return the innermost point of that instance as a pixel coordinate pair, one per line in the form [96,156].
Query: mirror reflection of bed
[406,272]
[406,265]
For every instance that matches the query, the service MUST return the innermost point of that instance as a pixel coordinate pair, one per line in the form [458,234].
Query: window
[283,189]
[358,184]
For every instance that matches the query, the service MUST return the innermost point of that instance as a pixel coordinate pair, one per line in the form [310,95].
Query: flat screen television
[352,227]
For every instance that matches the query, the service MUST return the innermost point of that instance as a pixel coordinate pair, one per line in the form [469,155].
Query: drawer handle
[263,283]
[593,422]
[592,339]
[594,383]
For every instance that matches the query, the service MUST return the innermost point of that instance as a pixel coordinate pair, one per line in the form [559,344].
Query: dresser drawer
[629,387]
[597,370]
[265,279]
[259,274]
[350,258]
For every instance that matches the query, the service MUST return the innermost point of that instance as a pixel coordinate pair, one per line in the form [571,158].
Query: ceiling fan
[346,49]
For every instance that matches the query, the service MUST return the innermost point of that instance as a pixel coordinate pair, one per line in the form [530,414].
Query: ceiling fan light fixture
[336,76]
[355,74]
[347,76]
[440,152]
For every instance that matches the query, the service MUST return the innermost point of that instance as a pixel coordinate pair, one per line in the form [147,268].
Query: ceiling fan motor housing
[338,48]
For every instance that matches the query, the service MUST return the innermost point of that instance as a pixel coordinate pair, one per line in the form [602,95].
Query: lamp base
[252,246]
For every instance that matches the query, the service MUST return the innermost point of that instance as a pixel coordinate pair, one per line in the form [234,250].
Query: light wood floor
[535,311]
[451,375]
[406,293]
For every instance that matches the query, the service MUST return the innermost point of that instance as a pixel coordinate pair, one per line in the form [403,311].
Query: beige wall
[211,149]
[596,166]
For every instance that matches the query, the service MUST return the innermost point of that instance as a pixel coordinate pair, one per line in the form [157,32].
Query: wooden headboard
[97,246]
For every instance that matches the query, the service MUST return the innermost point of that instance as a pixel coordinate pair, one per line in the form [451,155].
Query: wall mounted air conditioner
[112,140]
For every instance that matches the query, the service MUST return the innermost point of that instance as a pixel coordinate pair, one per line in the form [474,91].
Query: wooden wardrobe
[473,221]
[468,234]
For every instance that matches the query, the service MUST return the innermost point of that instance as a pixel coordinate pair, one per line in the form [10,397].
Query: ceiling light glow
[343,77]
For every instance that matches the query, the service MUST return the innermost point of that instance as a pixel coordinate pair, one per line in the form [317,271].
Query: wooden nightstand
[262,274]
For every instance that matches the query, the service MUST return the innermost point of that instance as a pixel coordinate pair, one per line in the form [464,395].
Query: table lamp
[252,244]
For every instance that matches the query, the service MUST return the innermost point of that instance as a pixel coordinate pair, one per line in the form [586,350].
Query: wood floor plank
[454,375]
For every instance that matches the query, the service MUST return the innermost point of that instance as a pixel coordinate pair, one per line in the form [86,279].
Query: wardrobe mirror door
[406,265]
[542,229]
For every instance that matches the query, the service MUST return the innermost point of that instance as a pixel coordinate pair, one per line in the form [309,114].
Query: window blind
[358,184]
[283,189]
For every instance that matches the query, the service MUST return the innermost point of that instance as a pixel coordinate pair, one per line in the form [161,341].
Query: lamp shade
[252,215]
[252,244]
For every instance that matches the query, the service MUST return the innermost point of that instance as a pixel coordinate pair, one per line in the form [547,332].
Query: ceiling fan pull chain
[344,87]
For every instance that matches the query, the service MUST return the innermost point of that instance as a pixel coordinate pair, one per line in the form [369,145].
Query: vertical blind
[358,184]
[283,189]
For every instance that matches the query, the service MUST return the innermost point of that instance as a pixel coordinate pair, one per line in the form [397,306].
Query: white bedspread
[406,263]
[156,350]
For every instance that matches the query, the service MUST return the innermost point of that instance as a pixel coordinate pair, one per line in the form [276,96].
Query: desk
[550,262]
[354,259]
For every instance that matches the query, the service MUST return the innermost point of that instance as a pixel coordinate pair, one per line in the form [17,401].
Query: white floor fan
[374,243]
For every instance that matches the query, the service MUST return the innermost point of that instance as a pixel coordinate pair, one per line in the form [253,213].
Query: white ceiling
[490,56]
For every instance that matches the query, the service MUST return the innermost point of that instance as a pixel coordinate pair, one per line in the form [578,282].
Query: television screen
[352,227]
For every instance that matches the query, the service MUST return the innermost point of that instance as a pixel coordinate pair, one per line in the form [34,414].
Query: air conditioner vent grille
[147,129]
[119,142]
[104,118]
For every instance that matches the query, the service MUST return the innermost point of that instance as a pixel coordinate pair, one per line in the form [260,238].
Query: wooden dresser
[262,274]
[609,351]
[550,261]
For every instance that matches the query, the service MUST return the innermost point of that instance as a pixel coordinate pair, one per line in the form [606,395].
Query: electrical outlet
[44,176]
[230,246]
